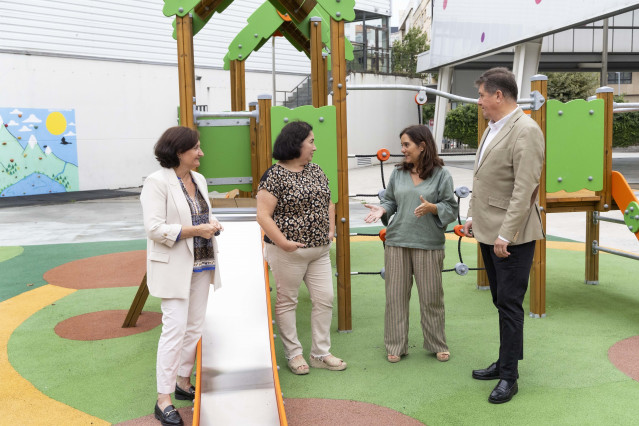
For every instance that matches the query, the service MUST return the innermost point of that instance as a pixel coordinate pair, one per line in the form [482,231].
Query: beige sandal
[329,362]
[298,365]
[393,358]
[443,356]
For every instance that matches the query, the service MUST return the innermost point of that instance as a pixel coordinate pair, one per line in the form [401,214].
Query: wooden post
[238,87]
[319,75]
[606,93]
[605,195]
[254,161]
[342,222]
[538,270]
[264,145]
[592,259]
[482,277]
[186,69]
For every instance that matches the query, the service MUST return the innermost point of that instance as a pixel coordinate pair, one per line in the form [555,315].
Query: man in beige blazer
[504,216]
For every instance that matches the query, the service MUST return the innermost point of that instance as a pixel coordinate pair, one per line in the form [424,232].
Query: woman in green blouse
[421,203]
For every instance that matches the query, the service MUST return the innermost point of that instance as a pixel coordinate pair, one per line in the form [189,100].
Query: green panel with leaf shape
[324,123]
[227,154]
[574,145]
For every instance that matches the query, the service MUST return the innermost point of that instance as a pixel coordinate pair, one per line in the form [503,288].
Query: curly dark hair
[429,160]
[289,141]
[174,141]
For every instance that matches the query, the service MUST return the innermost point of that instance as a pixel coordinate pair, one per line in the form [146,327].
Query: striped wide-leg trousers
[426,266]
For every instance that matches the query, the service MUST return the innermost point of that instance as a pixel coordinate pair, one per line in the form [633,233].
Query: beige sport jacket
[506,183]
[169,263]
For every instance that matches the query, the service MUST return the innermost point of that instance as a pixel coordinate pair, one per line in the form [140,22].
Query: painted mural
[38,151]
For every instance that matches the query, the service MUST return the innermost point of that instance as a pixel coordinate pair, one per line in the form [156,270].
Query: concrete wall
[375,118]
[120,108]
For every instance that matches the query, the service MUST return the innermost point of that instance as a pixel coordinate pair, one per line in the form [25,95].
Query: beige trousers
[182,323]
[426,265]
[313,266]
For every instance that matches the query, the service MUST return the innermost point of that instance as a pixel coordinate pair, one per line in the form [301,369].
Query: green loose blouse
[402,198]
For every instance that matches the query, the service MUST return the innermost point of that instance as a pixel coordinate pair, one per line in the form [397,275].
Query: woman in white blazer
[181,261]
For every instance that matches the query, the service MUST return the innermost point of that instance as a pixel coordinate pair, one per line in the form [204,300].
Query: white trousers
[182,323]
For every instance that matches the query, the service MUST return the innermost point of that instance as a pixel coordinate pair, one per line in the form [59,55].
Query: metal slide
[238,380]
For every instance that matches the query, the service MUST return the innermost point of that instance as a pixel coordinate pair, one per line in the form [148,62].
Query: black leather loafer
[184,395]
[168,417]
[503,392]
[490,373]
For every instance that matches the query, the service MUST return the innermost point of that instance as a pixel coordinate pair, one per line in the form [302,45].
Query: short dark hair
[174,141]
[499,78]
[288,142]
[429,160]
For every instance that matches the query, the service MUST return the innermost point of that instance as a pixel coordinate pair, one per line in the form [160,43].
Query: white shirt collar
[496,127]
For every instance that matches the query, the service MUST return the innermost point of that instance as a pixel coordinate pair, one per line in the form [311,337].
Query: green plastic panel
[261,25]
[324,124]
[631,216]
[340,10]
[227,154]
[574,145]
[172,7]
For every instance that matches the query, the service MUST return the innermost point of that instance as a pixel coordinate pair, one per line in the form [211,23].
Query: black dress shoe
[184,395]
[490,373]
[168,417]
[503,392]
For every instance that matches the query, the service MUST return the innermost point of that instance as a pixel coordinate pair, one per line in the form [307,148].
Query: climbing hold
[382,234]
[458,230]
[462,191]
[461,268]
[383,154]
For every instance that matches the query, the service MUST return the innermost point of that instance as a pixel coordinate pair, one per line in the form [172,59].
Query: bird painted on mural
[64,141]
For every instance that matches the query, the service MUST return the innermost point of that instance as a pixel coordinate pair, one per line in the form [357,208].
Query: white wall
[375,118]
[121,108]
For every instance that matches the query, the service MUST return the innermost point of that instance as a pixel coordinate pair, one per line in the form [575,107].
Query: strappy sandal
[393,358]
[328,362]
[298,365]
[443,356]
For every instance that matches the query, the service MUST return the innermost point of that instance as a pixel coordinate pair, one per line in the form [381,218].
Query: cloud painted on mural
[38,151]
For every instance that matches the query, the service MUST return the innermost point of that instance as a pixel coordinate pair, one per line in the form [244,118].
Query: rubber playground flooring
[578,366]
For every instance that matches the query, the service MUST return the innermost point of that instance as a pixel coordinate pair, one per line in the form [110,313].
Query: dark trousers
[508,278]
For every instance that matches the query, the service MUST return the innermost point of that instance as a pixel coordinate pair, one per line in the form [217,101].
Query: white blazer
[169,264]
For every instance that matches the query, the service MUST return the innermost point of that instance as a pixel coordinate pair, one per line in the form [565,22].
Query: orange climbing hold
[383,154]
[382,234]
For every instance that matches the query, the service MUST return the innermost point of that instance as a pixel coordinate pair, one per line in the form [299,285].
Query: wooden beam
[254,161]
[186,69]
[606,94]
[264,144]
[138,304]
[482,277]
[206,8]
[238,86]
[591,275]
[342,222]
[319,74]
[298,10]
[291,29]
[538,270]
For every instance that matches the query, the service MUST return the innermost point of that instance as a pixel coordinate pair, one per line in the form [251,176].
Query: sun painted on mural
[38,151]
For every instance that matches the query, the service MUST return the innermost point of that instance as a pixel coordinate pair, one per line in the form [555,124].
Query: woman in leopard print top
[295,211]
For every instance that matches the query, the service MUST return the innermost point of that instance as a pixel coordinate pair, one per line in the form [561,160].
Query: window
[619,78]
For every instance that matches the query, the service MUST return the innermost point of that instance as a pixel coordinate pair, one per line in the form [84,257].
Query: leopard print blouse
[303,198]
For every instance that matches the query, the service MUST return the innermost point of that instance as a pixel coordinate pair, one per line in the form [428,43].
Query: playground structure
[223,133]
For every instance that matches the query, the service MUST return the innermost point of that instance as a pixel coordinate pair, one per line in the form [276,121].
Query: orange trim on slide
[276,377]
[198,384]
[622,193]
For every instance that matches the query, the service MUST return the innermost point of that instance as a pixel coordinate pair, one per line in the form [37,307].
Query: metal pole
[596,247]
[604,55]
[618,83]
